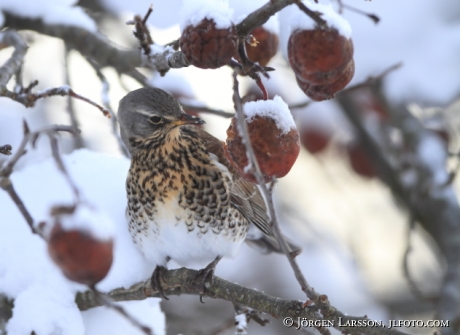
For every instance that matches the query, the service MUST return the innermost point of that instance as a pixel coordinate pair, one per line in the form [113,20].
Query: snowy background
[351,230]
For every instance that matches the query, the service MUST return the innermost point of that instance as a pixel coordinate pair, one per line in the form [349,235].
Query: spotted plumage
[185,202]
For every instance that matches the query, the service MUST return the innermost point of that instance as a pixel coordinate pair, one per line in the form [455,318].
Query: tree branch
[184,281]
[260,16]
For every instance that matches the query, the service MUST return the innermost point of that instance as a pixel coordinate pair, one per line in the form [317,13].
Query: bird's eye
[155,119]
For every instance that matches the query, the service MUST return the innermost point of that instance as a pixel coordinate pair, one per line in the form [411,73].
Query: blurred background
[352,230]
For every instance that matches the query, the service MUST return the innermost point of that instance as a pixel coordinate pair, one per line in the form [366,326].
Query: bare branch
[142,33]
[260,16]
[14,63]
[106,103]
[188,106]
[316,16]
[184,281]
[7,169]
[77,139]
[371,16]
[416,291]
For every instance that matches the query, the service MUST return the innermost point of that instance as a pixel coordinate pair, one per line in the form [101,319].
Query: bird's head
[150,112]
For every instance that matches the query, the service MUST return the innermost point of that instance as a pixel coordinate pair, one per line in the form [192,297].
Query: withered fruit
[207,47]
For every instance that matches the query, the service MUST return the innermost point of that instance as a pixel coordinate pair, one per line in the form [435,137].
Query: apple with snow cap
[81,243]
[209,38]
[273,135]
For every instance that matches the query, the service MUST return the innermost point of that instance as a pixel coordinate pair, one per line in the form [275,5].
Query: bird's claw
[205,276]
[155,281]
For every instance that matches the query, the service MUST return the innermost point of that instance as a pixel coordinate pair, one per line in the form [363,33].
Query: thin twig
[142,33]
[14,63]
[261,15]
[106,103]
[374,79]
[108,302]
[7,169]
[300,105]
[371,16]
[315,16]
[77,139]
[203,109]
[321,300]
[416,291]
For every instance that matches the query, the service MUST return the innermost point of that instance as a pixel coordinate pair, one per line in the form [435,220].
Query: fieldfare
[185,201]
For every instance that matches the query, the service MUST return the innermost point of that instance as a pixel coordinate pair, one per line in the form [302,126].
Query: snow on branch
[161,58]
[24,95]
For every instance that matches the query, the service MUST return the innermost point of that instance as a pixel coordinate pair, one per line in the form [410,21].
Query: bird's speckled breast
[174,182]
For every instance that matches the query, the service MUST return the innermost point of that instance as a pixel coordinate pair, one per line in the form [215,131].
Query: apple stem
[262,88]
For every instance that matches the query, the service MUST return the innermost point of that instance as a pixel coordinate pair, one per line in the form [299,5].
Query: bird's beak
[188,119]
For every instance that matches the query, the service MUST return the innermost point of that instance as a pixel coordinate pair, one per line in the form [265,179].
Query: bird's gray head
[148,111]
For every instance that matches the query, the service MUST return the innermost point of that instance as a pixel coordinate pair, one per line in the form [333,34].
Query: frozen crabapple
[360,161]
[206,46]
[81,244]
[314,139]
[273,135]
[265,46]
[326,92]
[319,56]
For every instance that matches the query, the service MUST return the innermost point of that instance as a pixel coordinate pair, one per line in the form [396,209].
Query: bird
[185,201]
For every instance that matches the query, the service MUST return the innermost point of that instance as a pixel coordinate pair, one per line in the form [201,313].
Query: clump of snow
[275,109]
[299,20]
[241,324]
[89,220]
[62,12]
[194,11]
[241,9]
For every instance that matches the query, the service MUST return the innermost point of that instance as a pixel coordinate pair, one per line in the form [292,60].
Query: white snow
[194,11]
[241,324]
[61,12]
[300,20]
[275,109]
[89,220]
[44,298]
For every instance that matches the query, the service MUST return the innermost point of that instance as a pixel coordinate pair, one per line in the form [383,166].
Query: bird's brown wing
[246,197]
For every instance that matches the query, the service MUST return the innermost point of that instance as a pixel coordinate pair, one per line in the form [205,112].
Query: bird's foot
[155,283]
[205,276]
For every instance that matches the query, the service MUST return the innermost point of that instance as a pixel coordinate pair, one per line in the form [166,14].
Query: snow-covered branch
[184,281]
[94,46]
